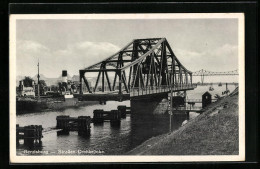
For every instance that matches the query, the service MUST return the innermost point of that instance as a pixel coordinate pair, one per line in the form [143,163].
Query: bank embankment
[214,132]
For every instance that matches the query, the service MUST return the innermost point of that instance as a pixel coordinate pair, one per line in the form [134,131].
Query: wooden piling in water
[98,116]
[122,111]
[67,124]
[17,134]
[62,122]
[115,115]
[84,125]
[30,134]
[115,118]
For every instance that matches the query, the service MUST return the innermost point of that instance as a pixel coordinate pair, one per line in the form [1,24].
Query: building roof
[206,93]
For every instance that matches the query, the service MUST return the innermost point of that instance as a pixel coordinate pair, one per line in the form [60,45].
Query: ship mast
[38,76]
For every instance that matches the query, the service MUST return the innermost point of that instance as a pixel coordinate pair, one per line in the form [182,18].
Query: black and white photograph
[127,87]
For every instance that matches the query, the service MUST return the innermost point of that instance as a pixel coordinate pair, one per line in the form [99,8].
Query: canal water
[105,139]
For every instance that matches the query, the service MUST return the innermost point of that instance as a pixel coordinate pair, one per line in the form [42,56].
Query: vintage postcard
[127,87]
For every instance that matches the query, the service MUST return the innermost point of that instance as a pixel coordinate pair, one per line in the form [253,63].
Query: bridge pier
[146,119]
[149,102]
[150,117]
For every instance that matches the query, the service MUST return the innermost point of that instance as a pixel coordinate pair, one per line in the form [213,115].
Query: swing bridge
[144,67]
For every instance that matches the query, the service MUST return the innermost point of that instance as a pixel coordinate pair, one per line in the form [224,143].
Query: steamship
[28,101]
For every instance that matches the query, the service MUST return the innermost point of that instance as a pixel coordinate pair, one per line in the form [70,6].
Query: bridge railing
[187,108]
[198,100]
[137,91]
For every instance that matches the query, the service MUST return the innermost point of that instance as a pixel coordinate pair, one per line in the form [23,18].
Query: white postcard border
[108,158]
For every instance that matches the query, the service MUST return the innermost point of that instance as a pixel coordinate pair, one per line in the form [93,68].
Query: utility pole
[38,76]
[171,99]
[226,89]
[171,109]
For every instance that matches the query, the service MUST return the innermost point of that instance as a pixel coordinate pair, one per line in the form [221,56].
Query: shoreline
[34,106]
[214,132]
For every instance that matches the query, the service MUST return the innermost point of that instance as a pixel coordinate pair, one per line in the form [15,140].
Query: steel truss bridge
[203,73]
[142,67]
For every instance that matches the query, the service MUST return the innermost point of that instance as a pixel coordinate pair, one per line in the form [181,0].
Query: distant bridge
[144,67]
[203,73]
[220,84]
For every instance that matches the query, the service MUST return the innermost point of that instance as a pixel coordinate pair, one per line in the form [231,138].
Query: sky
[69,44]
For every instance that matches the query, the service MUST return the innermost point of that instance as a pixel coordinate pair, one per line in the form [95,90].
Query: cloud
[182,53]
[88,50]
[223,58]
[227,50]
[27,54]
[30,46]
[82,54]
[73,58]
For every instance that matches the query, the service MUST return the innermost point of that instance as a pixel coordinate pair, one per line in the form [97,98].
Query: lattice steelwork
[144,65]
[203,73]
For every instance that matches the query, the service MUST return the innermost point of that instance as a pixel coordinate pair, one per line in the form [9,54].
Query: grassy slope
[208,134]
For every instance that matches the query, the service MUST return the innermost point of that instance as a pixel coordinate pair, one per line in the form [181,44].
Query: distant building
[26,91]
[206,99]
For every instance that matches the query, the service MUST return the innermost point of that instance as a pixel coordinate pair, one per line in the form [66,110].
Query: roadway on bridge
[135,92]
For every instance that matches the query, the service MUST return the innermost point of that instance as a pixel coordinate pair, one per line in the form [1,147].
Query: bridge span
[203,73]
[134,93]
[144,67]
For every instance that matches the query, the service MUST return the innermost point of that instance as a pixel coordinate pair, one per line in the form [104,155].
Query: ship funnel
[64,76]
[21,85]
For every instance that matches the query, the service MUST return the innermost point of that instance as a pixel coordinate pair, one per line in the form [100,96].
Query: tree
[42,83]
[27,81]
[54,88]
